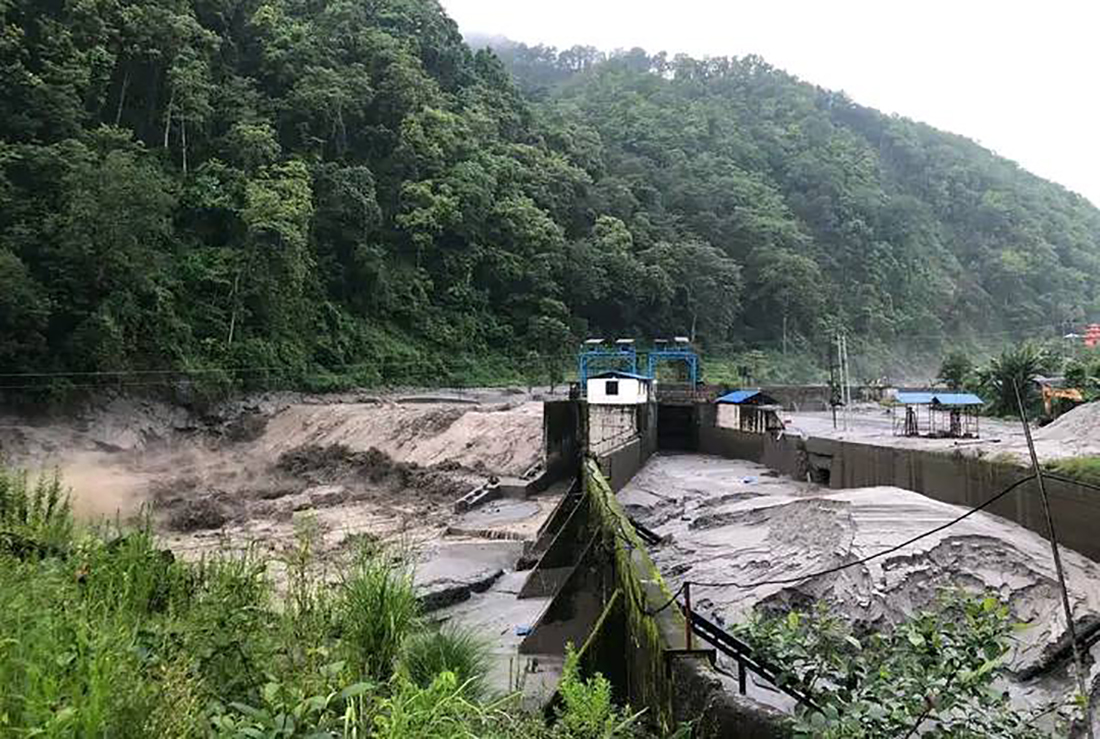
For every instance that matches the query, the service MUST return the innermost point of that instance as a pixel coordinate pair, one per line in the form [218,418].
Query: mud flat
[386,467]
[1075,433]
[726,520]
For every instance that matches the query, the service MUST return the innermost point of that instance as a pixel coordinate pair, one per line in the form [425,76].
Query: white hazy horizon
[1018,77]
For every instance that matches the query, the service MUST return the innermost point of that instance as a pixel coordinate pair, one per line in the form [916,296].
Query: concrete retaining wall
[611,600]
[951,478]
[640,646]
[561,438]
[619,465]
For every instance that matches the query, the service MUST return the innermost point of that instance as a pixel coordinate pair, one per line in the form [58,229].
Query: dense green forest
[350,188]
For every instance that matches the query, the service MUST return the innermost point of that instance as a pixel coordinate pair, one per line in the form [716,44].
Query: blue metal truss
[602,359]
[688,356]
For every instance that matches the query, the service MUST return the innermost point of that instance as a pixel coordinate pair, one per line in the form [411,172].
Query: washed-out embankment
[378,466]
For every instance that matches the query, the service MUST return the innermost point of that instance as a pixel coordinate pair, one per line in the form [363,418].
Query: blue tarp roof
[939,398]
[738,396]
[619,374]
[958,399]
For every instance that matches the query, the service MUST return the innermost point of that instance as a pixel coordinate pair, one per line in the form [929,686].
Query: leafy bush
[286,713]
[937,669]
[588,711]
[450,649]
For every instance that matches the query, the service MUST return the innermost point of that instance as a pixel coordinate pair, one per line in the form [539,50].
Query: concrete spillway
[727,520]
[767,506]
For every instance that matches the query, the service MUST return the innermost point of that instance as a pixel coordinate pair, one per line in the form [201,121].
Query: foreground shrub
[285,712]
[375,611]
[443,710]
[587,710]
[35,520]
[931,676]
[450,649]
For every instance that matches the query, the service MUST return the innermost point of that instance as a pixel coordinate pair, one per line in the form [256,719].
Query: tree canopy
[315,186]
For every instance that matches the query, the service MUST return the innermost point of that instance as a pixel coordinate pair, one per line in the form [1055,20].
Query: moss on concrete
[642,591]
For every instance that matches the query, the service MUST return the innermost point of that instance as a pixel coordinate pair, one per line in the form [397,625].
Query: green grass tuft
[450,649]
[1085,469]
[375,610]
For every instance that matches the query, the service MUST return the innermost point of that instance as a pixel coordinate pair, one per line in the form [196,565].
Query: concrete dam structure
[665,494]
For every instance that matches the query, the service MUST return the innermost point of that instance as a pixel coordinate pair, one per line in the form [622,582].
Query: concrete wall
[561,438]
[640,646]
[950,478]
[729,416]
[621,462]
[609,426]
[969,482]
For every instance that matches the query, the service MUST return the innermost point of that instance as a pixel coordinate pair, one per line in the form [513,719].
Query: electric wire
[388,362]
[846,565]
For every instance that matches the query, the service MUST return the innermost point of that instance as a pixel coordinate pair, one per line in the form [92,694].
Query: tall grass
[375,611]
[34,519]
[103,634]
[448,649]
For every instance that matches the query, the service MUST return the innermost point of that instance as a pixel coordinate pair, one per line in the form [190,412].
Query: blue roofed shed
[947,414]
[748,410]
[747,397]
[935,398]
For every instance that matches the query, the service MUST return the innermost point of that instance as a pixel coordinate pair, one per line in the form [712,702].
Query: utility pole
[1071,627]
[834,381]
[847,379]
[784,334]
[842,379]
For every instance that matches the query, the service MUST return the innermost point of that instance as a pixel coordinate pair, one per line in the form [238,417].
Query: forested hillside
[835,213]
[347,186]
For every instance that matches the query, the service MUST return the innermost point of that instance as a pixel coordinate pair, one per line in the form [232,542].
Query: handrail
[741,651]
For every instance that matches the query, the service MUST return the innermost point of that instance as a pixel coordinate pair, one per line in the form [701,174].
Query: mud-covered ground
[383,468]
[726,520]
[1075,433]
[241,475]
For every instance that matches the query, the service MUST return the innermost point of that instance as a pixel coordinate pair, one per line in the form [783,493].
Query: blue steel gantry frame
[681,353]
[621,356]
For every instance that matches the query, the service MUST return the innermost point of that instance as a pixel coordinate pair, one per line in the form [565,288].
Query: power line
[839,568]
[393,362]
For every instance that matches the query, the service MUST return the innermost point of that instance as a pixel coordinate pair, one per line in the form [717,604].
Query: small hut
[749,410]
[939,415]
[619,388]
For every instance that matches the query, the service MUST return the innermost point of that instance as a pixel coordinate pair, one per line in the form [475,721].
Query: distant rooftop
[937,398]
[620,374]
[738,397]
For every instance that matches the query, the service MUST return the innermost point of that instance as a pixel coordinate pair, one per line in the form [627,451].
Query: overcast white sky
[1019,77]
